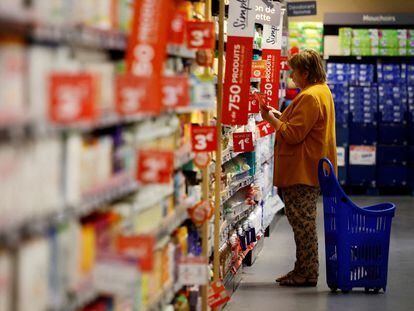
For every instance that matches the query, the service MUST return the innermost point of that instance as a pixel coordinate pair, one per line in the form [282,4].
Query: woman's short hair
[309,61]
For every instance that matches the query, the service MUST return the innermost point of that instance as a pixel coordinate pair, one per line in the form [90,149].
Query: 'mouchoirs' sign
[369,19]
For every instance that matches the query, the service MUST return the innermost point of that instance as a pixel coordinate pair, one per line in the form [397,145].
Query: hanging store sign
[140,247]
[204,138]
[192,271]
[368,19]
[217,295]
[264,128]
[272,45]
[201,212]
[155,166]
[303,8]
[134,95]
[175,92]
[146,51]
[239,54]
[72,98]
[176,33]
[200,35]
[267,12]
[253,103]
[243,142]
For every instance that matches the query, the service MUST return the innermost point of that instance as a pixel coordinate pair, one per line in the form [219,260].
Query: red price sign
[254,106]
[243,142]
[202,159]
[204,138]
[201,212]
[217,295]
[155,166]
[258,69]
[72,97]
[175,92]
[177,28]
[284,63]
[200,35]
[136,95]
[265,129]
[140,247]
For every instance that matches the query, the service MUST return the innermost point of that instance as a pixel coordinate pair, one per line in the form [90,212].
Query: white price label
[192,271]
[362,155]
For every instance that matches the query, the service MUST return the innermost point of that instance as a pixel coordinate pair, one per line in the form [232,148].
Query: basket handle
[327,178]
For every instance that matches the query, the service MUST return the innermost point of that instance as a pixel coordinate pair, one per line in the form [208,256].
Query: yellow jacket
[305,135]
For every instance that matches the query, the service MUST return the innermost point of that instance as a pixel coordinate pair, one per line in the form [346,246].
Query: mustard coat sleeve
[300,121]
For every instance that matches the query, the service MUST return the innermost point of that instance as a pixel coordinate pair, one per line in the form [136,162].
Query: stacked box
[410,96]
[341,100]
[306,35]
[345,40]
[392,102]
[361,73]
[393,42]
[337,73]
[363,104]
[392,73]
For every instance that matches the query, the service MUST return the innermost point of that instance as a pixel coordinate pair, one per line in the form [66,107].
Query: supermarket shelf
[236,187]
[117,188]
[228,155]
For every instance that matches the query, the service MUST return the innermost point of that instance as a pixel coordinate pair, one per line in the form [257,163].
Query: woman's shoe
[295,280]
[284,277]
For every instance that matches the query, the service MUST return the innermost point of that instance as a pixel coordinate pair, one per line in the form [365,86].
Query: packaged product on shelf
[12,80]
[32,282]
[6,277]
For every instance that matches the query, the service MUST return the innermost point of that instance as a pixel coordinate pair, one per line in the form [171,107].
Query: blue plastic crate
[361,175]
[392,176]
[357,239]
[363,134]
[391,155]
[392,133]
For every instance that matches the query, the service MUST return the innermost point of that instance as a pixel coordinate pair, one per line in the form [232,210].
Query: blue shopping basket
[357,239]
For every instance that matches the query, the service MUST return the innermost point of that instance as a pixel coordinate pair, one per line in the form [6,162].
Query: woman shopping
[305,133]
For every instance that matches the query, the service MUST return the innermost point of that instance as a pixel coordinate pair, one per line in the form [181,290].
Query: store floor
[258,290]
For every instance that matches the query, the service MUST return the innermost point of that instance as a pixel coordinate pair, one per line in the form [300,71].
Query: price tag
[204,138]
[155,166]
[200,35]
[177,28]
[136,95]
[201,212]
[258,69]
[254,106]
[140,247]
[203,93]
[192,271]
[175,91]
[340,152]
[243,142]
[202,159]
[265,128]
[284,63]
[217,295]
[362,155]
[72,97]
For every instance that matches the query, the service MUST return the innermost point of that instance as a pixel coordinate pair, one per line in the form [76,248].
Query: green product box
[374,51]
[361,42]
[360,33]
[402,51]
[388,52]
[410,43]
[345,33]
[410,33]
[360,51]
[410,52]
[388,42]
[346,51]
[373,33]
[388,33]
[374,42]
[402,34]
[402,43]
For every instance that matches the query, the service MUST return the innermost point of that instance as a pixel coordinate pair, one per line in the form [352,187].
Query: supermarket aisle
[258,290]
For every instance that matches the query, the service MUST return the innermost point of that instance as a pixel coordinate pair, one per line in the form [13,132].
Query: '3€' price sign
[175,92]
[243,142]
[204,138]
[155,166]
[200,35]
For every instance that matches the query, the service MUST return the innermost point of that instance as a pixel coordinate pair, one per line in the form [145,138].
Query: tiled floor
[258,290]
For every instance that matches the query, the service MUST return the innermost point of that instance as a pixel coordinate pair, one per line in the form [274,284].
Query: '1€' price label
[243,142]
[204,138]
[217,295]
[155,166]
[200,35]
[135,95]
[265,129]
[72,98]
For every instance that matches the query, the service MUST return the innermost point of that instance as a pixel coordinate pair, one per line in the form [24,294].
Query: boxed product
[360,51]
